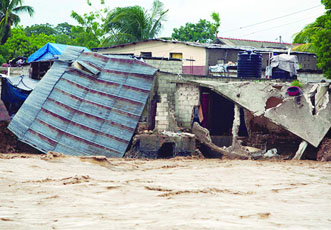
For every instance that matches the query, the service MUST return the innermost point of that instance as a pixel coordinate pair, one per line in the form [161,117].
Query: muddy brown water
[38,192]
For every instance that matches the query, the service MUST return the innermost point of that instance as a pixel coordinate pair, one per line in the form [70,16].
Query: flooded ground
[38,192]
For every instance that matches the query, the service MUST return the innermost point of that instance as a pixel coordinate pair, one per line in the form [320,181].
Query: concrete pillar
[236,124]
[302,147]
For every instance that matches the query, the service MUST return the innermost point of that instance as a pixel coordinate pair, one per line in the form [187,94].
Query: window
[145,54]
[176,55]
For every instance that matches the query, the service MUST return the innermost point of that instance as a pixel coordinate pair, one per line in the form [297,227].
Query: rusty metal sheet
[92,110]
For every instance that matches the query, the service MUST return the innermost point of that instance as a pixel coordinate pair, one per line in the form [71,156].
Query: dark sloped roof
[228,44]
[195,44]
[254,43]
[91,110]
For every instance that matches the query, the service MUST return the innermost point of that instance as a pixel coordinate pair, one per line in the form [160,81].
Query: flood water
[183,193]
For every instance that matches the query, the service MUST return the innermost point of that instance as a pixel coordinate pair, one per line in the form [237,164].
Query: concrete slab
[299,114]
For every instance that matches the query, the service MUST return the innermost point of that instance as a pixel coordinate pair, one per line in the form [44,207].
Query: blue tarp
[12,96]
[49,51]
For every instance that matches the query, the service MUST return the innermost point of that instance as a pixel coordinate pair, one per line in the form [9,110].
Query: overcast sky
[238,17]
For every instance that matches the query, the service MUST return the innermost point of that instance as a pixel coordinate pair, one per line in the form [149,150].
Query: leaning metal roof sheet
[86,104]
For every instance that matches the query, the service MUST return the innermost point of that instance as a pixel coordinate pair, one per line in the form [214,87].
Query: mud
[9,142]
[54,191]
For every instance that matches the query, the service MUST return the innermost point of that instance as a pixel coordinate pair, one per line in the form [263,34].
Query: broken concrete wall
[162,145]
[165,119]
[301,119]
[187,96]
[291,113]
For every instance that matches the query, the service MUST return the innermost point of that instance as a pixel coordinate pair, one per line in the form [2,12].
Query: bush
[2,60]
[297,83]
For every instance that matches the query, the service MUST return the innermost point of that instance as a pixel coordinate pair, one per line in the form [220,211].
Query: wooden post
[236,124]
[302,147]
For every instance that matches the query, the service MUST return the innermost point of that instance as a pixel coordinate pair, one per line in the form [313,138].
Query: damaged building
[113,105]
[86,104]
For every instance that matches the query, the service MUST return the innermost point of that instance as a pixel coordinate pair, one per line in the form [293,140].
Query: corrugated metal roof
[89,111]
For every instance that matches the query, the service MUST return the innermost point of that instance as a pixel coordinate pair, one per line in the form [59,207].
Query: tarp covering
[86,104]
[14,91]
[288,63]
[49,51]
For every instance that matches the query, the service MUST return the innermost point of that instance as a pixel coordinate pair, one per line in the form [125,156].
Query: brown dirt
[9,142]
[324,152]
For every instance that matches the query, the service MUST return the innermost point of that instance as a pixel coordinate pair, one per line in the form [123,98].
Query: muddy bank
[9,142]
[60,192]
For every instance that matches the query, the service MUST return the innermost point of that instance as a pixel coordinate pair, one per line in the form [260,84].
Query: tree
[204,31]
[134,23]
[47,29]
[19,44]
[317,38]
[9,16]
[217,22]
[90,32]
[63,28]
[199,32]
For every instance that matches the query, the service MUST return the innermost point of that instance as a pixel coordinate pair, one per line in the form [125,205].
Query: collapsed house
[90,104]
[86,104]
[263,110]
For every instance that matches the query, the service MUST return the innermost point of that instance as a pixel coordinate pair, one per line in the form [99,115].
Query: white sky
[234,15]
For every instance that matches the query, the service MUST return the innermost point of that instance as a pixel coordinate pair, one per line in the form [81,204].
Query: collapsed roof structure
[86,104]
[307,115]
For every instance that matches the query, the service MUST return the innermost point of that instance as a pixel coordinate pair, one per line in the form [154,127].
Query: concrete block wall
[165,65]
[162,114]
[187,96]
[310,77]
[165,85]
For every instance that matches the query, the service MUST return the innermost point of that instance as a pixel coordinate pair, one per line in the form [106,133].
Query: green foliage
[322,42]
[90,32]
[297,83]
[217,22]
[9,10]
[204,31]
[2,60]
[36,29]
[19,44]
[327,4]
[199,32]
[63,29]
[317,39]
[134,23]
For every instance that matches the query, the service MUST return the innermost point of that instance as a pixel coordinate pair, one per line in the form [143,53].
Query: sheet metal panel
[92,112]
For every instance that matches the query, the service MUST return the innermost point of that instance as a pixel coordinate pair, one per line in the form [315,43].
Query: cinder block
[163,122]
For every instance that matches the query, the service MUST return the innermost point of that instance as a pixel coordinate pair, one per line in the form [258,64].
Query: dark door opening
[220,115]
[166,151]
